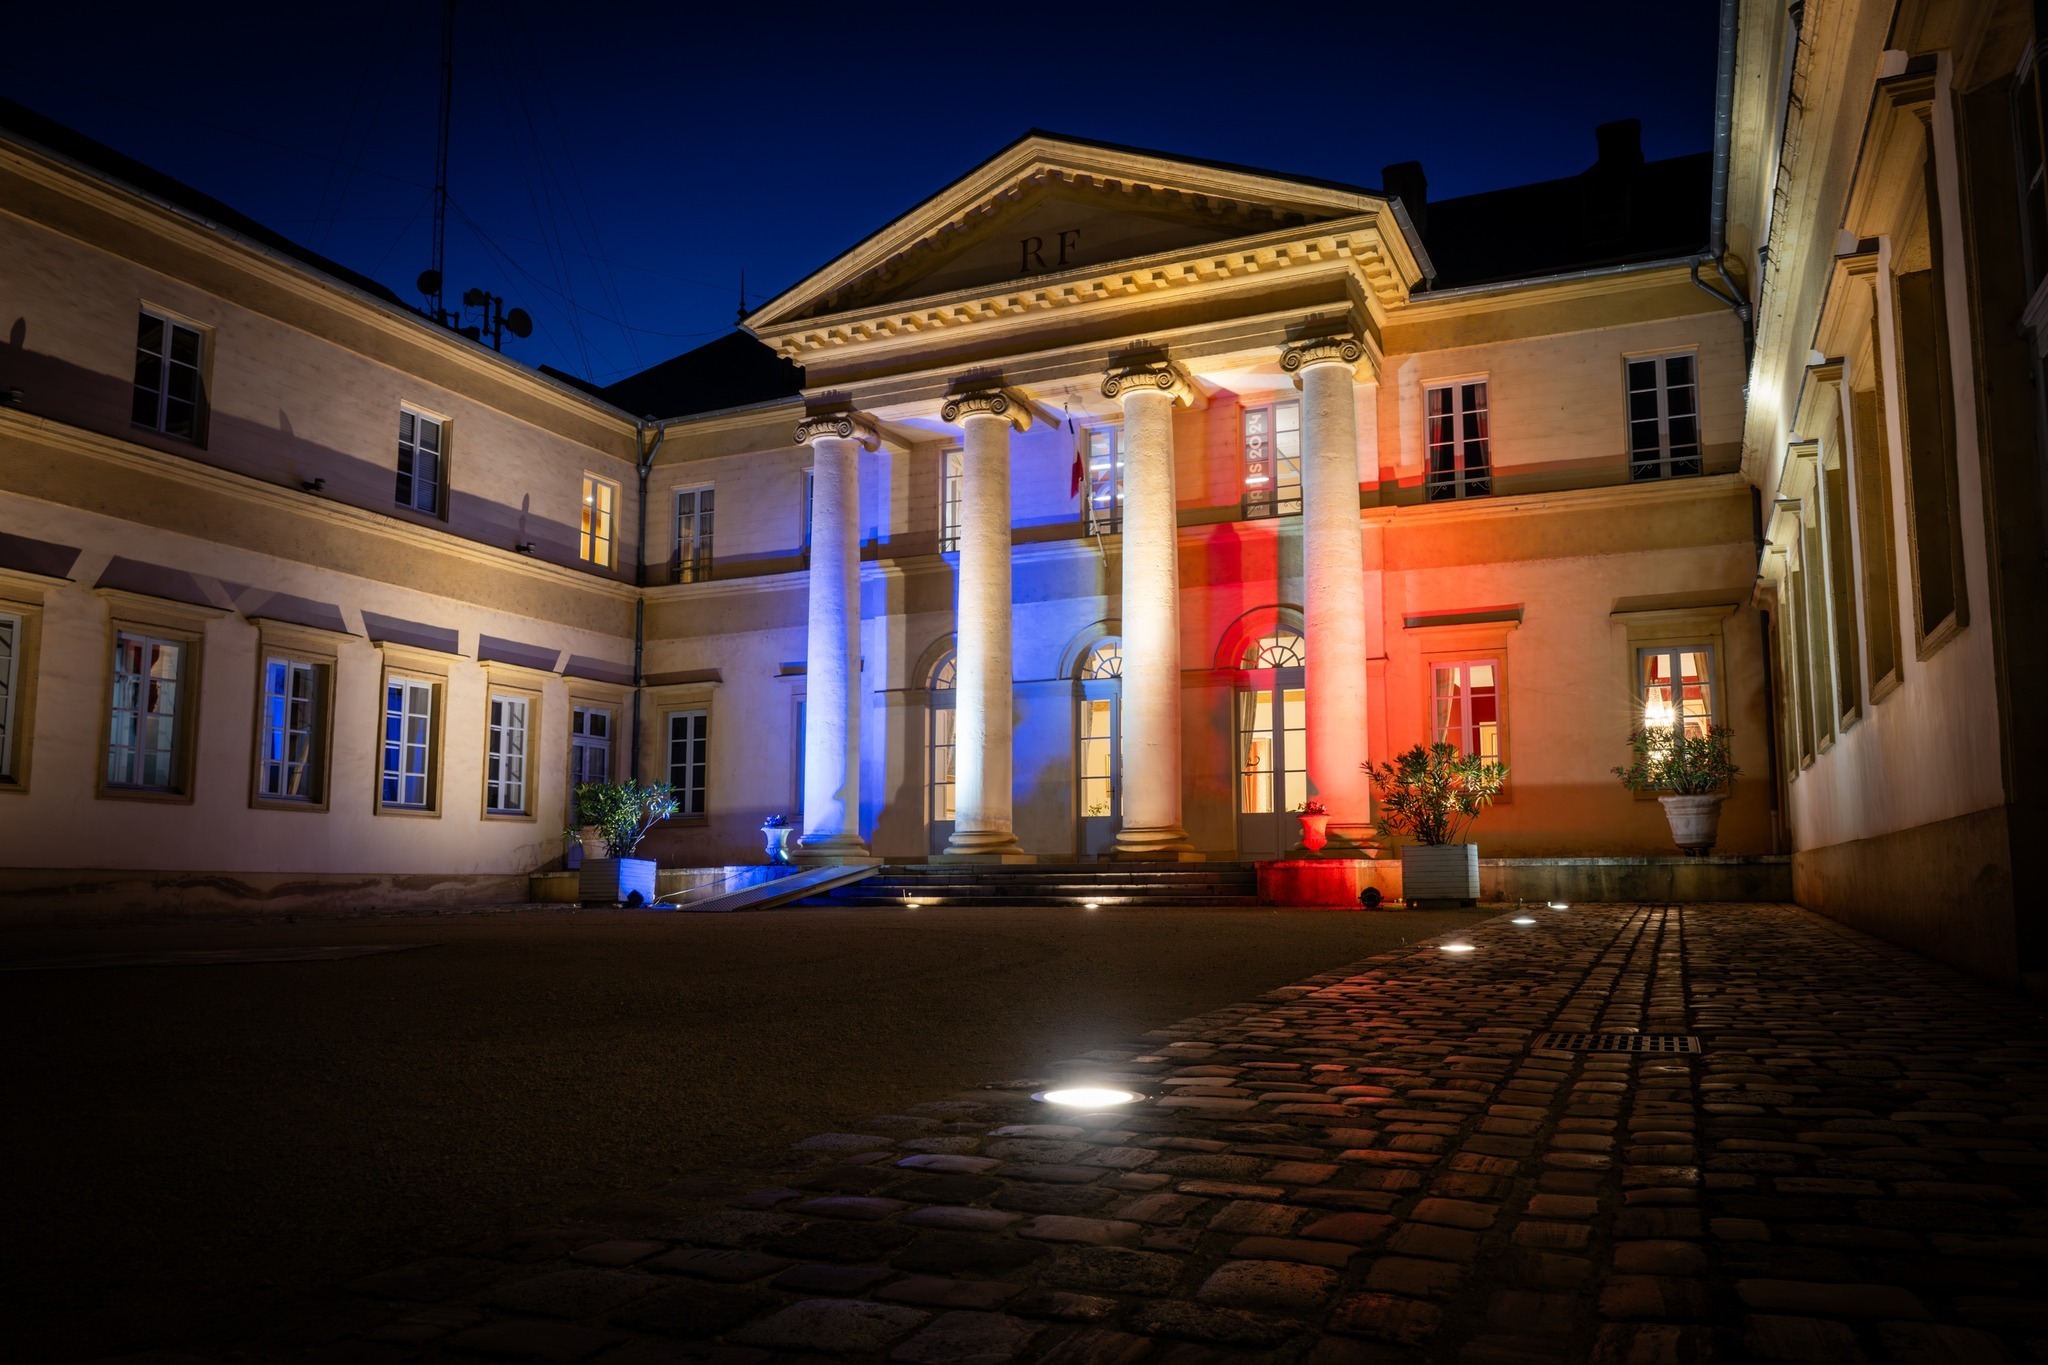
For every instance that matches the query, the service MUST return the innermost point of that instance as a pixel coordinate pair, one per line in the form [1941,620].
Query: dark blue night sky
[615,167]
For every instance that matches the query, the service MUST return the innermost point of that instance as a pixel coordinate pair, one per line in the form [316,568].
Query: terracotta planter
[1695,821]
[593,842]
[1440,873]
[1315,831]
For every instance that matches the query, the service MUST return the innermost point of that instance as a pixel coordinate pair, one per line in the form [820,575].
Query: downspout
[647,454]
[1717,215]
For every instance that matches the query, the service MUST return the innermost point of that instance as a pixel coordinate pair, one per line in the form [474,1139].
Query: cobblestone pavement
[1381,1164]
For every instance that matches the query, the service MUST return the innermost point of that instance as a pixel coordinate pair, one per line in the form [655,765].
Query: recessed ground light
[1457,947]
[1559,905]
[1092,905]
[1522,919]
[1087,1097]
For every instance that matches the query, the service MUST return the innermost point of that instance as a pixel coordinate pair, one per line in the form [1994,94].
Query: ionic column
[832,702]
[983,826]
[1333,558]
[1152,826]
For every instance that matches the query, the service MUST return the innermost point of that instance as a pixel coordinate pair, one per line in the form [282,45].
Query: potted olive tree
[1694,769]
[623,812]
[1430,795]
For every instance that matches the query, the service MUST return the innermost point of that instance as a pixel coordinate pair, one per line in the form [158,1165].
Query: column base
[983,846]
[835,850]
[1168,843]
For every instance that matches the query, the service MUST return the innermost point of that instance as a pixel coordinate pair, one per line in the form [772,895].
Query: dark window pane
[1642,406]
[1678,369]
[184,346]
[149,334]
[1642,374]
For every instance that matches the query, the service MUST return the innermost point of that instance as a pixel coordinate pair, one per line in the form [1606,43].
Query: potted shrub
[1315,825]
[1694,769]
[1431,795]
[623,812]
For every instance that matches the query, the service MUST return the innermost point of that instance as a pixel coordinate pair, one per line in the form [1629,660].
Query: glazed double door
[1099,766]
[1271,780]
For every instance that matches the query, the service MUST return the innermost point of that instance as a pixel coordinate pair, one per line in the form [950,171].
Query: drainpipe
[647,454]
[1717,217]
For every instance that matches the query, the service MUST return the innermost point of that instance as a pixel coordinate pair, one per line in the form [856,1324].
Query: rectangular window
[408,744]
[1676,686]
[1467,707]
[600,502]
[689,753]
[421,459]
[289,763]
[1272,460]
[797,766]
[10,654]
[2027,111]
[590,746]
[1875,531]
[952,473]
[169,393]
[505,759]
[1663,418]
[1813,612]
[810,492]
[694,511]
[1104,466]
[1460,445]
[143,738]
[1834,487]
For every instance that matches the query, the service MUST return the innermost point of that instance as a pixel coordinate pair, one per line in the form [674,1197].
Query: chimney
[1407,183]
[1621,145]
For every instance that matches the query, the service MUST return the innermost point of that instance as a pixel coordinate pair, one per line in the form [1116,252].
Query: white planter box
[1440,872]
[616,881]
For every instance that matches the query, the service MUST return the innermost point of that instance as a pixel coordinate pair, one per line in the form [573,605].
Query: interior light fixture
[1087,1097]
[1457,947]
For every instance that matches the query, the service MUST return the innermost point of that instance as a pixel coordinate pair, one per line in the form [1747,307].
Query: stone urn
[775,832]
[1695,822]
[1315,831]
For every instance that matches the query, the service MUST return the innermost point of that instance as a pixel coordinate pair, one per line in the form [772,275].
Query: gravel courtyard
[191,1145]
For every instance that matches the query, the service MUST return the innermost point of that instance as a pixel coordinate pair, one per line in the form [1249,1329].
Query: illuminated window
[290,762]
[1281,649]
[1106,660]
[170,394]
[422,453]
[689,759]
[1467,707]
[1104,465]
[1663,418]
[590,745]
[694,511]
[1272,460]
[810,500]
[951,472]
[600,500]
[941,740]
[1460,446]
[149,692]
[1676,686]
[505,760]
[407,778]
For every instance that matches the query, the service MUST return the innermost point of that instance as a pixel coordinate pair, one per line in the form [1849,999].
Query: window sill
[516,817]
[143,794]
[409,812]
[285,803]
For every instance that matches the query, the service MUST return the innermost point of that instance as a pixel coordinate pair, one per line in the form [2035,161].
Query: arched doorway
[1271,779]
[1098,745]
[939,750]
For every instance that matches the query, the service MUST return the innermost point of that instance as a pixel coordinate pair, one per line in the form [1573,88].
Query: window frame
[410,666]
[602,551]
[1460,482]
[948,666]
[202,405]
[703,532]
[1112,523]
[581,706]
[419,414]
[688,807]
[184,718]
[952,488]
[1665,465]
[499,690]
[1274,506]
[17,724]
[288,648]
[1461,664]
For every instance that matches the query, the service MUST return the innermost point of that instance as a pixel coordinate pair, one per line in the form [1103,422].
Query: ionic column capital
[987,402]
[1151,372]
[843,422]
[1341,348]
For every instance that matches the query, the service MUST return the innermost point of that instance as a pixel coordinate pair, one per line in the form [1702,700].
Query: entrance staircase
[1174,885]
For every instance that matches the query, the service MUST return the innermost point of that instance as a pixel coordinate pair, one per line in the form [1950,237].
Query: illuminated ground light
[1088,1097]
[1457,947]
[1521,919]
[1559,905]
[1092,905]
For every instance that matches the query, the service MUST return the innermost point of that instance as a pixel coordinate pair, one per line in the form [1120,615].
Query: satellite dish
[518,323]
[429,282]
[474,298]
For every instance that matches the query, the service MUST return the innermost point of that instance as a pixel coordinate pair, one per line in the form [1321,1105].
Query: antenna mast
[438,270]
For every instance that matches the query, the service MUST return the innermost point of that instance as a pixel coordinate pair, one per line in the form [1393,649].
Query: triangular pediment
[1048,205]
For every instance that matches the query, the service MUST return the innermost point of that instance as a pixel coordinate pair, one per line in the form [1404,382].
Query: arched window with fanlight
[1098,747]
[939,750]
[1271,781]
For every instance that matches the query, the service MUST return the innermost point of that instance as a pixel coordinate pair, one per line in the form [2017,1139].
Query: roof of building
[731,372]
